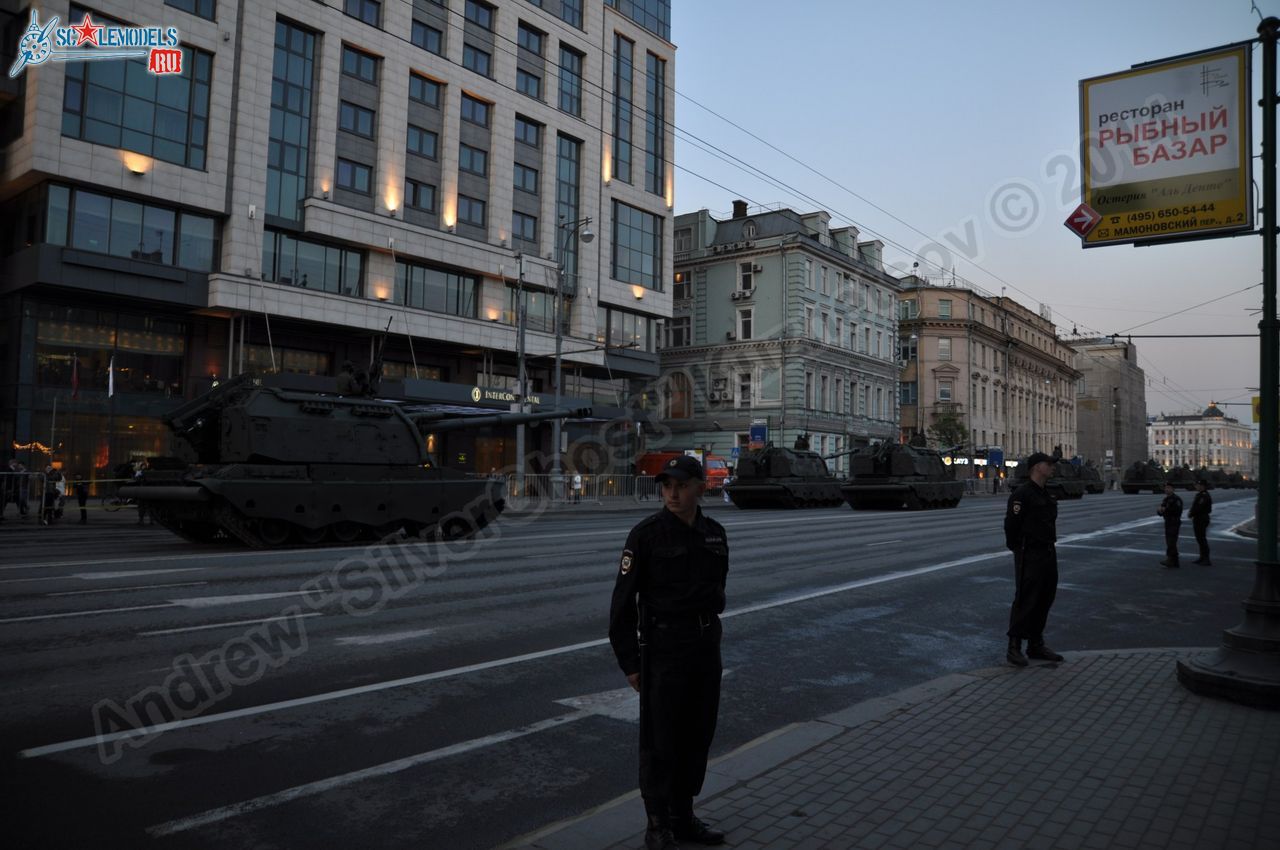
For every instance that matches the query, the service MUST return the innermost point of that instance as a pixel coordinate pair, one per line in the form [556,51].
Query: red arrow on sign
[1084,219]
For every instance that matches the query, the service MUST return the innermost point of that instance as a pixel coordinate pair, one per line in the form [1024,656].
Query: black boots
[688,828]
[1014,655]
[1041,652]
[657,835]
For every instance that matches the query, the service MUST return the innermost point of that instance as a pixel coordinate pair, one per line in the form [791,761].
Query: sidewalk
[1105,750]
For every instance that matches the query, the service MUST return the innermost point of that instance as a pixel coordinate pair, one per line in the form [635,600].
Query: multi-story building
[1210,439]
[983,371]
[317,173]
[779,320]
[1111,404]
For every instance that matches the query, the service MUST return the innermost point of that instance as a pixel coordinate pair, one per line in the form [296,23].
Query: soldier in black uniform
[1171,510]
[665,631]
[1201,507]
[1030,532]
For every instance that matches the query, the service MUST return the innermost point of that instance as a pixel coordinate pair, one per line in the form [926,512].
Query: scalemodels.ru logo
[88,41]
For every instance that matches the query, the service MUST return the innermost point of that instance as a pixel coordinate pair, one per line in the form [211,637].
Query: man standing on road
[1030,532]
[665,631]
[1171,510]
[1201,507]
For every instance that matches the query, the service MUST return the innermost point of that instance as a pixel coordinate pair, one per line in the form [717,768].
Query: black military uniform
[1171,510]
[1030,532]
[1201,507]
[664,626]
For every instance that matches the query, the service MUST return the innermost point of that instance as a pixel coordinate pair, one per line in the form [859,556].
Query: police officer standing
[1201,507]
[665,631]
[1171,510]
[1030,532]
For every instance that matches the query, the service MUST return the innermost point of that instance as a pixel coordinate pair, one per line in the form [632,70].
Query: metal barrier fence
[26,490]
[582,488]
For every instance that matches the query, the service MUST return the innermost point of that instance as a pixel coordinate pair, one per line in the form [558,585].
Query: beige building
[1210,439]
[1111,404]
[993,369]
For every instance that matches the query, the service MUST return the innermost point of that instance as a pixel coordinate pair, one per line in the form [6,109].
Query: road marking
[132,573]
[885,543]
[618,704]
[374,640]
[323,785]
[234,599]
[35,617]
[225,625]
[129,587]
[375,687]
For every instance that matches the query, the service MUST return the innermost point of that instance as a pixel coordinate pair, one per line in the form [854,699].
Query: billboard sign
[1165,149]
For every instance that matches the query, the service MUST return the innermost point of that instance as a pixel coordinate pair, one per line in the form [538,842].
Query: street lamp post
[569,228]
[915,355]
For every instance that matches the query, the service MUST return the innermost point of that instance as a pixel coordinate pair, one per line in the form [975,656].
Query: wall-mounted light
[137,163]
[381,292]
[638,291]
[392,212]
[492,314]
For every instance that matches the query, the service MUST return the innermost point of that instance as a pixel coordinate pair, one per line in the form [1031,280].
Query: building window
[310,264]
[907,348]
[568,183]
[571,12]
[355,176]
[121,104]
[355,119]
[678,332]
[744,389]
[92,222]
[679,396]
[475,111]
[637,245]
[944,308]
[808,390]
[837,400]
[745,279]
[424,91]
[744,323]
[839,337]
[524,227]
[368,11]
[824,322]
[623,74]
[681,288]
[809,282]
[436,289]
[360,65]
[808,321]
[471,211]
[824,400]
[529,84]
[475,59]
[530,39]
[203,8]
[749,230]
[944,348]
[944,390]
[528,132]
[473,160]
[480,14]
[420,196]
[427,37]
[626,330]
[655,126]
[526,179]
[683,240]
[288,146]
[571,81]
[422,142]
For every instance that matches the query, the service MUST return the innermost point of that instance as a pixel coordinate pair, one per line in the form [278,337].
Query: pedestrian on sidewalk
[664,627]
[1201,507]
[1031,532]
[1171,510]
[82,496]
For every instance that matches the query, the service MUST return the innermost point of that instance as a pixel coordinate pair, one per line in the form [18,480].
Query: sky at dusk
[950,131]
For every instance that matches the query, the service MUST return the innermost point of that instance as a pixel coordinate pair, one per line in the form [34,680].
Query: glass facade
[623,74]
[88,221]
[637,245]
[311,265]
[289,144]
[653,15]
[571,81]
[655,126]
[568,181]
[621,329]
[437,290]
[123,105]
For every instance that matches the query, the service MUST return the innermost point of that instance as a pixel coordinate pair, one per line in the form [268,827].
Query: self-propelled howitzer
[272,466]
[892,475]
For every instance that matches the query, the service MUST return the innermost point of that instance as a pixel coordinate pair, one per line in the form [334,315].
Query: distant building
[1210,439]
[1111,404]
[777,318]
[988,366]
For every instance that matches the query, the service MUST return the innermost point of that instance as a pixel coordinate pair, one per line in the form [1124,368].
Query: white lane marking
[883,543]
[129,587]
[132,573]
[619,704]
[234,599]
[35,617]
[392,637]
[374,687]
[1156,552]
[225,625]
[323,785]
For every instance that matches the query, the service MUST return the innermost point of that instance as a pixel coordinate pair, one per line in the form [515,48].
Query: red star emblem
[87,31]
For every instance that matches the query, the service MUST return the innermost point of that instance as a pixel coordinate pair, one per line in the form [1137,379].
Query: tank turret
[1142,477]
[783,478]
[1064,483]
[272,465]
[892,475]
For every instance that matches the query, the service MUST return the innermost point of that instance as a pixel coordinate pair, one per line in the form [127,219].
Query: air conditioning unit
[747,293]
[730,335]
[736,294]
[756,267]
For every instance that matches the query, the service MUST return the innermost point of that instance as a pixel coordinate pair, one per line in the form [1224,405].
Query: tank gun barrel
[441,423]
[841,454]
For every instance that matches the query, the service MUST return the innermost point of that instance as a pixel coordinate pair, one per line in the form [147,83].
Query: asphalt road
[456,698]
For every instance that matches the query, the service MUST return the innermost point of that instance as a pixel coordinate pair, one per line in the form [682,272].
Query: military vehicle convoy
[775,477]
[1092,478]
[892,475]
[1065,483]
[1142,477]
[270,466]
